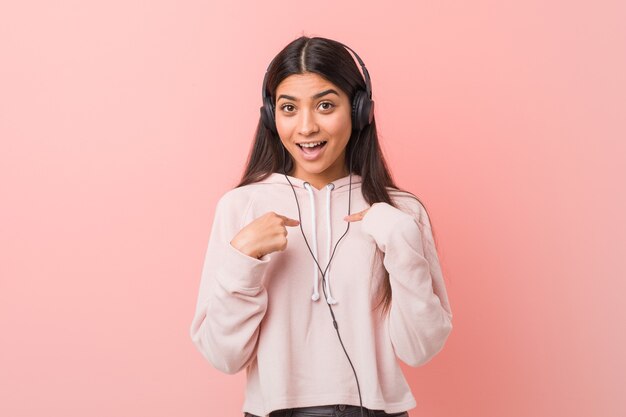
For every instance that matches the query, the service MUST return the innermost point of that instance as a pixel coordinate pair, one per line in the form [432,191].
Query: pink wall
[122,122]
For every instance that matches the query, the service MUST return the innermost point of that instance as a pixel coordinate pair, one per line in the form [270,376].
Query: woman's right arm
[232,300]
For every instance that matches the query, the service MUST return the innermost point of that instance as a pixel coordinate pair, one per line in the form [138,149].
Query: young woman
[317,207]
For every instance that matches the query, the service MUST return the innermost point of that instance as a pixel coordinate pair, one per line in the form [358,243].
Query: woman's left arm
[420,318]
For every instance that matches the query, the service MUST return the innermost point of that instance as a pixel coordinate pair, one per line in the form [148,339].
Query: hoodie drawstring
[316,295]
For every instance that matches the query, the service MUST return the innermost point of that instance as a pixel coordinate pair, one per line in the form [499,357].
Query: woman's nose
[308,123]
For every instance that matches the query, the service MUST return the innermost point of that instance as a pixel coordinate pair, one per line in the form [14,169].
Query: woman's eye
[289,107]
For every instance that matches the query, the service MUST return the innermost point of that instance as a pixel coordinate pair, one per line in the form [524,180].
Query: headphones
[362,103]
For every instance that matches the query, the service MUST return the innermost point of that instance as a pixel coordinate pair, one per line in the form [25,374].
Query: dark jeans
[338,410]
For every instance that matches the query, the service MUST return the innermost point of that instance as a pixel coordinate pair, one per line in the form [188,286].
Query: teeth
[311,145]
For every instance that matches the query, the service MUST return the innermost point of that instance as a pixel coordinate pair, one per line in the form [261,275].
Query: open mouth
[312,152]
[322,143]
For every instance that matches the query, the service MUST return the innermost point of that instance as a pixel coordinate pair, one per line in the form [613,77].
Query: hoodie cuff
[238,271]
[381,220]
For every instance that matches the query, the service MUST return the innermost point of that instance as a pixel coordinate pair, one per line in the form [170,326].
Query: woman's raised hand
[263,235]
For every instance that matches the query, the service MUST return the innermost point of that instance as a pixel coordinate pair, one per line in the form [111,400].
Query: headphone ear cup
[356,110]
[362,110]
[369,104]
[267,114]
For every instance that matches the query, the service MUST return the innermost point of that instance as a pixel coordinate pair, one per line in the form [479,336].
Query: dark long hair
[332,61]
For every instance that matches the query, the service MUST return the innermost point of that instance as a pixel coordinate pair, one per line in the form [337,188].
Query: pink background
[122,122]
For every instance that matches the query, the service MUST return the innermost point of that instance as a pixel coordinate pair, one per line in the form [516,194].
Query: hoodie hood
[338,186]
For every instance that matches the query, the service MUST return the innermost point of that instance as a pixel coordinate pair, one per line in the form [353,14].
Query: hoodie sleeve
[232,300]
[420,318]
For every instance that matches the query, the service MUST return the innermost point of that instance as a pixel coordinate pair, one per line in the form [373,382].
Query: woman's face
[311,109]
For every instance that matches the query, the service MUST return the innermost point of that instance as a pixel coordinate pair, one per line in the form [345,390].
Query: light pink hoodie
[270,315]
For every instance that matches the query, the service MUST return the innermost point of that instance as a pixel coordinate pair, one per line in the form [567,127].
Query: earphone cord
[335,325]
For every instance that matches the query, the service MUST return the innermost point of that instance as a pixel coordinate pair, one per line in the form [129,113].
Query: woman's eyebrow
[318,95]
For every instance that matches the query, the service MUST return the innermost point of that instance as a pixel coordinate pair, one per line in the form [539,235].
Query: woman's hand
[355,217]
[263,235]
